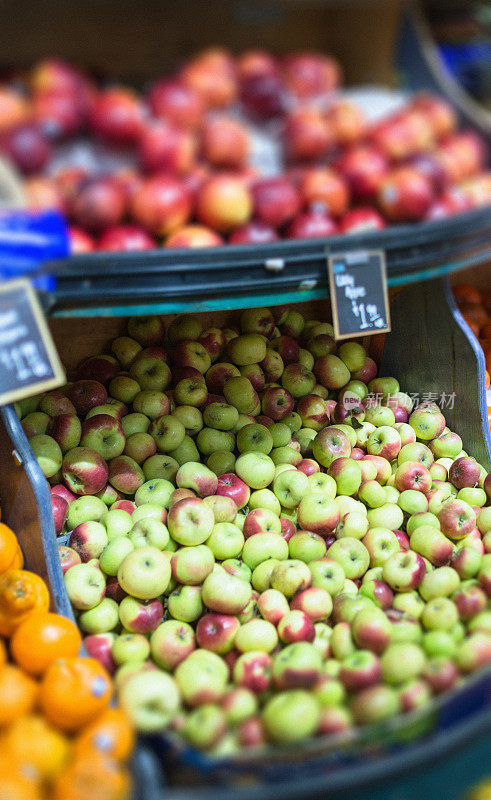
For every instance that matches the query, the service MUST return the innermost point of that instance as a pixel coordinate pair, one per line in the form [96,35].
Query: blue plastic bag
[27,240]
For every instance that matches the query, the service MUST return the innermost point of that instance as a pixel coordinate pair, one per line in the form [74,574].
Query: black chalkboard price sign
[29,362]
[359,296]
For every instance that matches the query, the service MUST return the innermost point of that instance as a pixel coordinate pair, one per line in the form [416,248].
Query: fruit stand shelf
[170,281]
[430,349]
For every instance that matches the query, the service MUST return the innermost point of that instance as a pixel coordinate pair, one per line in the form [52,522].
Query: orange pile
[59,740]
[475,307]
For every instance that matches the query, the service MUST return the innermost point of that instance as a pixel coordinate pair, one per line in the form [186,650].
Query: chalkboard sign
[359,297]
[29,362]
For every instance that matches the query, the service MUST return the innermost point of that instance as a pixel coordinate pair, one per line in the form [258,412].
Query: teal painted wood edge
[175,306]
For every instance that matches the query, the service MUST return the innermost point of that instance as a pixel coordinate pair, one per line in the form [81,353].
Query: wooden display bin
[432,354]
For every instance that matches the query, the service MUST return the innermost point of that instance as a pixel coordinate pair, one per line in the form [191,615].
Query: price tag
[29,362]
[359,296]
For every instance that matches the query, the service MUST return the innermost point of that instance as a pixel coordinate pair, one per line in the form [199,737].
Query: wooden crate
[429,351]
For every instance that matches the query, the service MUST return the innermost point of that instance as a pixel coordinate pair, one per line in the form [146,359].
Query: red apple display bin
[451,734]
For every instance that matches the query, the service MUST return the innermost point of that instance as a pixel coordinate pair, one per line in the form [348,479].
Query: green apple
[221,462]
[388,516]
[352,555]
[347,474]
[47,452]
[254,438]
[117,522]
[372,494]
[156,491]
[190,417]
[255,469]
[265,498]
[202,677]
[151,699]
[291,716]
[85,509]
[290,487]
[264,546]
[281,434]
[160,466]
[226,541]
[149,532]
[85,585]
[145,573]
[187,451]
[210,440]
[100,619]
[220,416]
[114,554]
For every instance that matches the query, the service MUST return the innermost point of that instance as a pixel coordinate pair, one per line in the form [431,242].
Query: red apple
[439,113]
[311,225]
[212,75]
[98,204]
[126,237]
[164,147]
[55,74]
[116,116]
[321,185]
[80,241]
[254,232]
[98,368]
[347,122]
[224,202]
[85,394]
[224,142]
[59,113]
[310,74]
[307,136]
[364,167]
[98,646]
[361,220]
[62,491]
[194,236]
[276,201]
[59,508]
[176,102]
[162,205]
[263,95]
[27,147]
[229,485]
[68,558]
[405,195]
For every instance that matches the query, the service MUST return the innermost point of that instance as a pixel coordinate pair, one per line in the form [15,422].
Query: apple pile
[178,164]
[267,542]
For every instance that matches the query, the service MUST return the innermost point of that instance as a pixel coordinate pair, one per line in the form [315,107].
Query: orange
[111,733]
[18,561]
[74,691]
[15,787]
[18,693]
[465,293]
[35,745]
[21,593]
[3,653]
[41,639]
[8,547]
[93,777]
